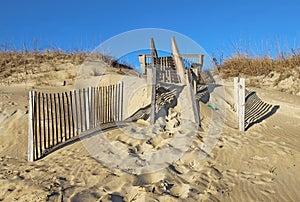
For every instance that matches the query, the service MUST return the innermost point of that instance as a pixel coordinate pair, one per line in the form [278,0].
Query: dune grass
[241,64]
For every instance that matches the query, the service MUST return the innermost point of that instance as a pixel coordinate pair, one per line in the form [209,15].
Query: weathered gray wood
[85,107]
[102,104]
[105,104]
[87,112]
[48,120]
[31,126]
[52,121]
[81,108]
[76,112]
[98,105]
[60,117]
[110,102]
[72,113]
[44,121]
[64,119]
[235,92]
[121,102]
[56,122]
[68,116]
[61,114]
[241,104]
[91,107]
[153,97]
[116,102]
[94,107]
[39,124]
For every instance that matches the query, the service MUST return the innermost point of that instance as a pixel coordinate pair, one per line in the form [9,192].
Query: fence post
[241,104]
[236,92]
[30,126]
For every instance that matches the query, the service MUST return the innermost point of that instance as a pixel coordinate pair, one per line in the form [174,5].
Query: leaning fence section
[249,107]
[55,118]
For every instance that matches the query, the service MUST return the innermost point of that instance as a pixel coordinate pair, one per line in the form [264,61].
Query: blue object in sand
[211,106]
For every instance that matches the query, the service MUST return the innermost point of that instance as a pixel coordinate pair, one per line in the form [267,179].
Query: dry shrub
[257,66]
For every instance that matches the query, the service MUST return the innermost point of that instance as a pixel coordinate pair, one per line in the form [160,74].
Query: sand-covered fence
[56,118]
[249,107]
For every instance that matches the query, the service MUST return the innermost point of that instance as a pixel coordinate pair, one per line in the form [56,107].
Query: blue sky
[218,26]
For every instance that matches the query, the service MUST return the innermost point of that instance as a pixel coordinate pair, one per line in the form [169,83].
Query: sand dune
[261,164]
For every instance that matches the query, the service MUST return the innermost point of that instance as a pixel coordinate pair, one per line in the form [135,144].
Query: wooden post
[235,92]
[241,104]
[153,98]
[30,126]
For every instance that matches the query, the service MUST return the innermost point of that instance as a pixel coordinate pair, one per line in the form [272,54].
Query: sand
[261,164]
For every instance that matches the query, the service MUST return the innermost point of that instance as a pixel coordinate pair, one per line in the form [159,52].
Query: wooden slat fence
[55,118]
[249,107]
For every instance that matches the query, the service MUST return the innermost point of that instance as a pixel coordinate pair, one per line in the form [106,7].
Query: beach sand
[261,164]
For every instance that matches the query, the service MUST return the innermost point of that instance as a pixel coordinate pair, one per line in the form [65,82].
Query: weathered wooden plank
[85,108]
[44,121]
[81,108]
[104,104]
[101,105]
[68,116]
[121,102]
[56,116]
[64,115]
[39,124]
[31,121]
[72,114]
[241,104]
[118,101]
[52,121]
[95,106]
[35,127]
[76,112]
[236,92]
[98,106]
[91,106]
[109,102]
[88,104]
[60,117]
[48,120]
[114,102]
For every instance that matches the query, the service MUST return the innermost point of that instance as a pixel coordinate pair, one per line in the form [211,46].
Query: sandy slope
[261,164]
